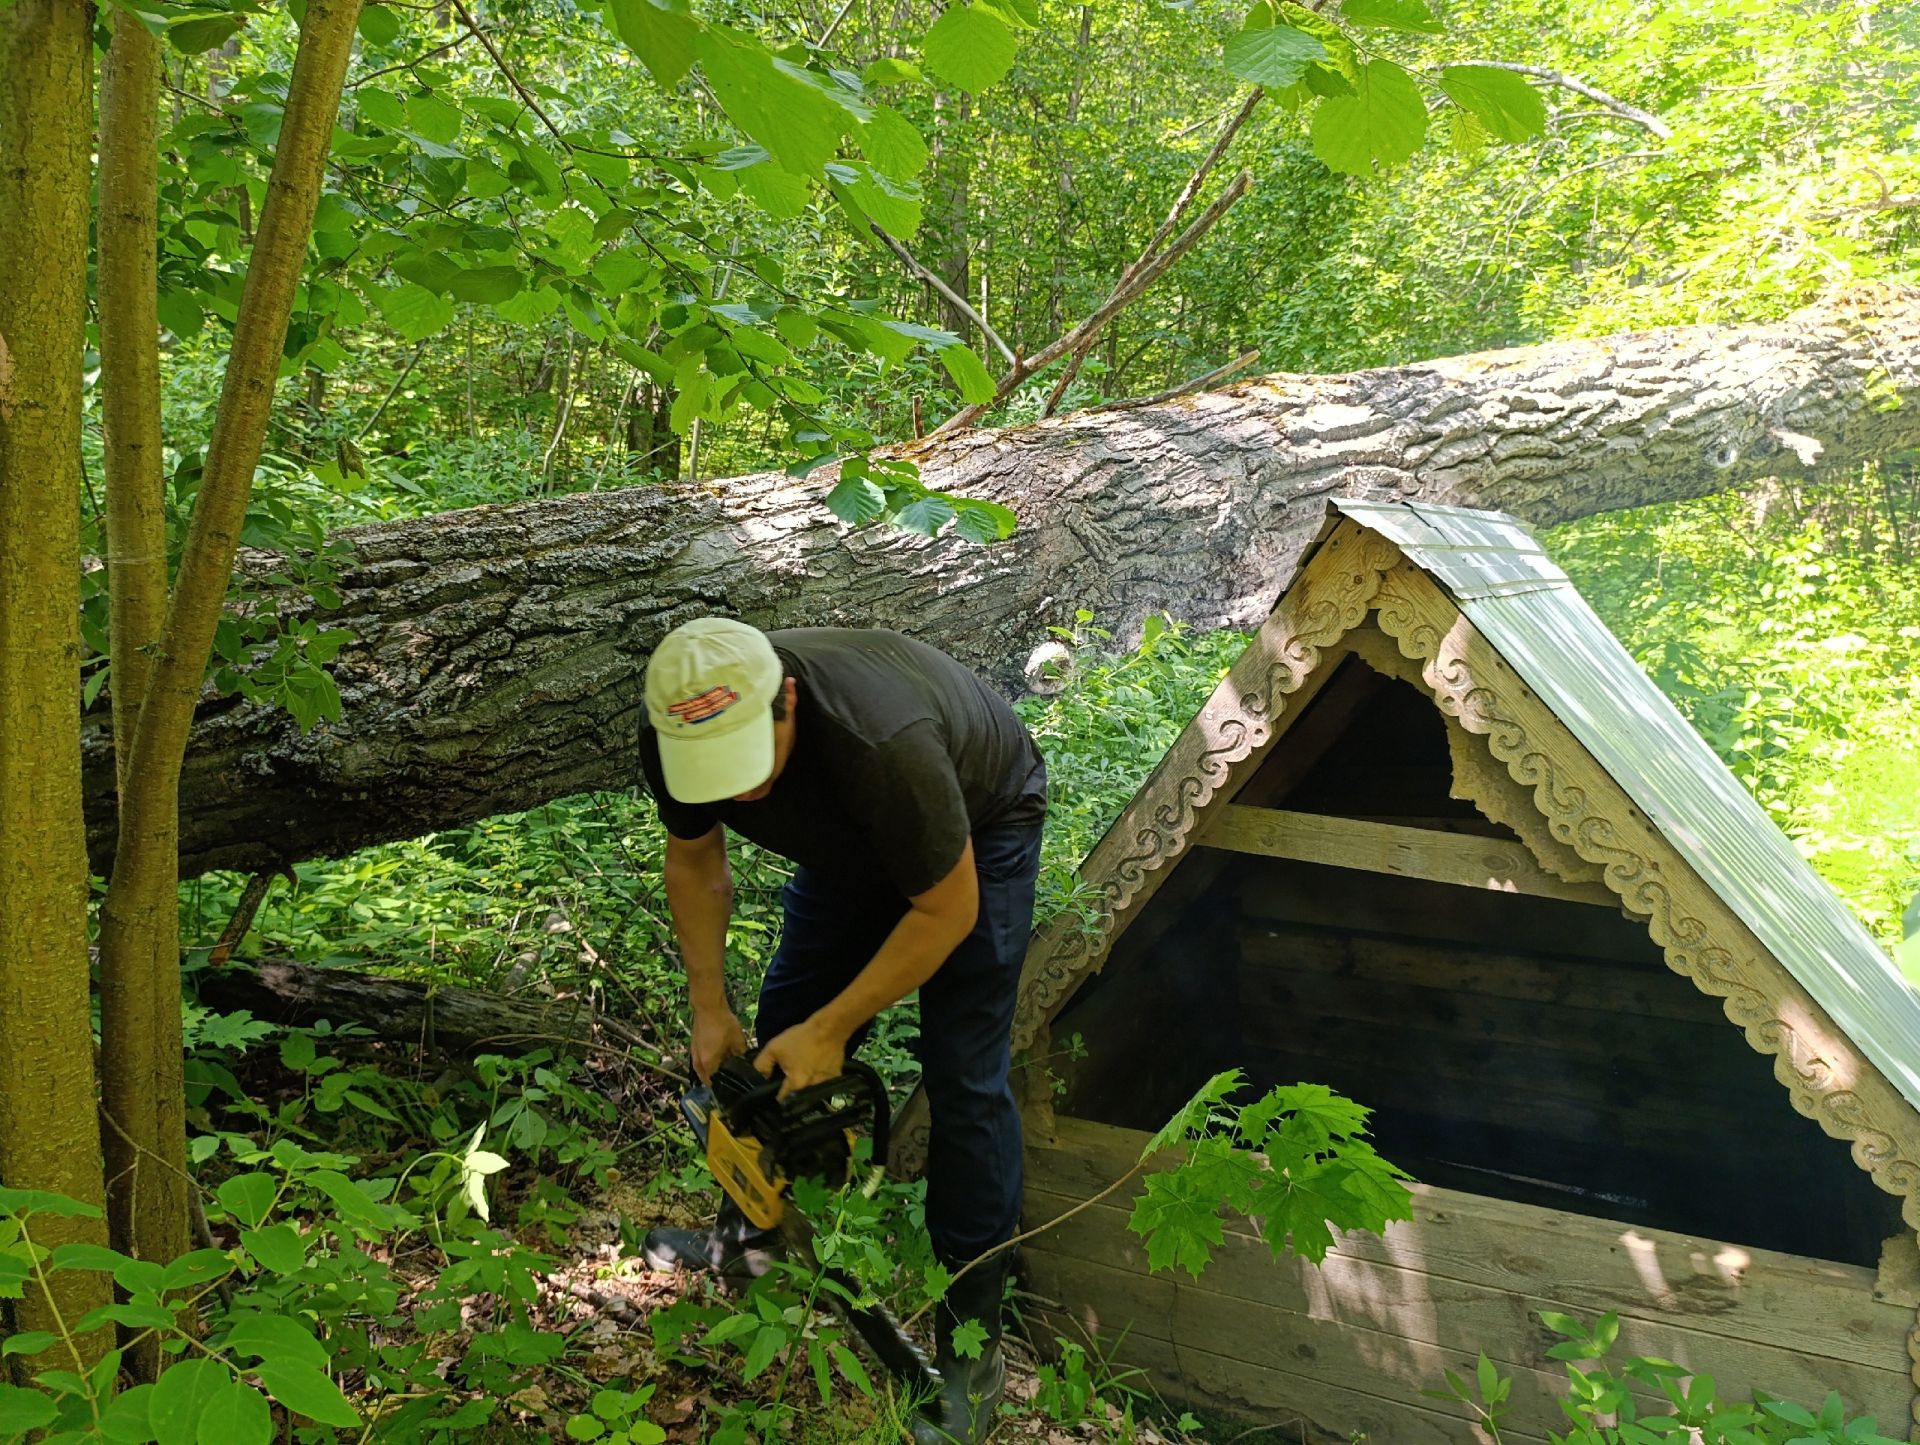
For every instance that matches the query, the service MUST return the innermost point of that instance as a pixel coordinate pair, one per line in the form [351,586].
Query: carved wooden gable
[1573,830]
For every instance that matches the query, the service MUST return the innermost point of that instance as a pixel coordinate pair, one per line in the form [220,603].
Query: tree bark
[137,594]
[499,651]
[139,921]
[49,1130]
[441,1018]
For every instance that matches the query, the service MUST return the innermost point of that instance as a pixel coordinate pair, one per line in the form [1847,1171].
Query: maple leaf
[1318,1116]
[1179,1217]
[1196,1115]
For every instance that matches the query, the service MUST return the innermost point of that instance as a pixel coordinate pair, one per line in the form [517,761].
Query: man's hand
[717,1037]
[808,1053]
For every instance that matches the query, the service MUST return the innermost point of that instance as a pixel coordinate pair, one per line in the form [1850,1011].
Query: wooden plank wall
[1348,1347]
[1535,1049]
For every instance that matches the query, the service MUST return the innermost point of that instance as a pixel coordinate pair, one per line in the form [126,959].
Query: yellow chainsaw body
[741,1166]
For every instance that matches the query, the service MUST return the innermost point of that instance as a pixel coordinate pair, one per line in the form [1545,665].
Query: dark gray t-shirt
[899,755]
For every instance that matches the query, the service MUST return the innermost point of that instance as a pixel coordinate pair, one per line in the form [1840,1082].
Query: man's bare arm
[700,899]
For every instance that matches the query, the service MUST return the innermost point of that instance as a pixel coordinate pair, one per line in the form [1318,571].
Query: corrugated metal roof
[1521,602]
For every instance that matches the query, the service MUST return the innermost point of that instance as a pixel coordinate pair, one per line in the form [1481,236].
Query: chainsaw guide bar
[757,1144]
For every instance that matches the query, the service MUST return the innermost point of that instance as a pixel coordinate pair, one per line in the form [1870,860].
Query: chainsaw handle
[860,1078]
[751,1094]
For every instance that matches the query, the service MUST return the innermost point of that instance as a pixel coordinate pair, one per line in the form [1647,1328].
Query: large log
[499,651]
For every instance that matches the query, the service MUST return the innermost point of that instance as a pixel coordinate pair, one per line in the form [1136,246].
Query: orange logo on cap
[704,708]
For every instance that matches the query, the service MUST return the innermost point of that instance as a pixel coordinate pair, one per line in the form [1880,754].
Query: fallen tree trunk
[499,651]
[435,1018]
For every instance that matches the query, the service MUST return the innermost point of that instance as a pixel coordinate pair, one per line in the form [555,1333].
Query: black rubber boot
[967,1407]
[733,1249]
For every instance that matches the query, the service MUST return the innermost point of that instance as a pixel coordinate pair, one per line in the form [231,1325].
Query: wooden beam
[1469,862]
[1581,1265]
[1389,1330]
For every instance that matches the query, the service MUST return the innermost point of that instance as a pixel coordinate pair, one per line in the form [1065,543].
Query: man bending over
[911,798]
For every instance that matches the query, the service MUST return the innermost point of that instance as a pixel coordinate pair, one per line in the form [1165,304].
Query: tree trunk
[137,584]
[438,1018]
[499,651]
[139,920]
[49,1130]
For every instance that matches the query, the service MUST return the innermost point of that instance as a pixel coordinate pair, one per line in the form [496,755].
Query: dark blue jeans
[834,925]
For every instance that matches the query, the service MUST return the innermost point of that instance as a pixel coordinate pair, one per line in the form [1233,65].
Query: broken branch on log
[1123,294]
[1186,388]
[1188,193]
[953,297]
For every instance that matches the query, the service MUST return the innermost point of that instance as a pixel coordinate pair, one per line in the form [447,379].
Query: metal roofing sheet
[1511,591]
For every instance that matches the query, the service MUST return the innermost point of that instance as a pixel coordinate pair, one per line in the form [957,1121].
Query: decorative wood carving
[1477,777]
[1828,1079]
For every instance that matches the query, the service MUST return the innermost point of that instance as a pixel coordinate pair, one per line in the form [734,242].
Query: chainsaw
[757,1144]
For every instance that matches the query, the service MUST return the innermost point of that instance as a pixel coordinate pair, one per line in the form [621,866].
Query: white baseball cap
[710,690]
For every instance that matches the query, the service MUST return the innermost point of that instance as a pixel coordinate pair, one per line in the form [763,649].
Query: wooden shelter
[1436,841]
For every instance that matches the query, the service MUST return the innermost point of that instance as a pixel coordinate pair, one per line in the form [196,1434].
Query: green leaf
[780,193]
[856,500]
[45,1201]
[279,1247]
[248,1197]
[382,108]
[1023,14]
[850,1367]
[1381,123]
[889,71]
[181,1397]
[22,1410]
[571,230]
[27,1342]
[414,312]
[661,35]
[276,1336]
[433,119]
[797,124]
[1179,1217]
[1504,103]
[969,374]
[1192,1116]
[199,33]
[770,1340]
[354,1204]
[892,145]
[1274,55]
[869,196]
[970,47]
[86,1256]
[617,271]
[983,522]
[378,25]
[306,1391]
[236,1415]
[1412,16]
[141,1315]
[529,306]
[197,1267]
[968,1339]
[484,284]
[180,313]
[926,515]
[124,1419]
